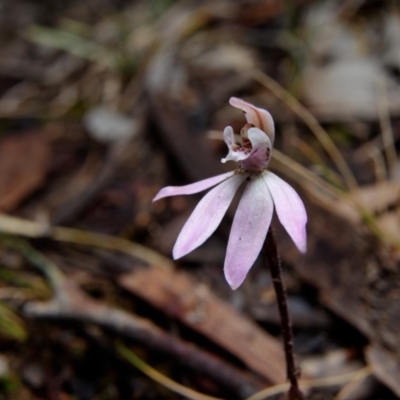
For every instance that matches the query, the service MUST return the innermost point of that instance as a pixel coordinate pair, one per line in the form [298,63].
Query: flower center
[246,144]
[258,156]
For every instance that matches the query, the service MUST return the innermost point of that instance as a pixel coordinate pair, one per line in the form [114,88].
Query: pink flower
[254,213]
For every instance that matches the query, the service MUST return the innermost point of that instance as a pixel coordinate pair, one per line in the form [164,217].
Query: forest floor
[103,103]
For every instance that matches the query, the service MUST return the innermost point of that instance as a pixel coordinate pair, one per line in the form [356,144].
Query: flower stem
[274,262]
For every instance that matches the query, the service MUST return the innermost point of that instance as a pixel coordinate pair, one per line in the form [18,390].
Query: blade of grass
[378,162]
[158,377]
[32,229]
[309,152]
[315,127]
[352,384]
[72,43]
[11,325]
[386,129]
[49,270]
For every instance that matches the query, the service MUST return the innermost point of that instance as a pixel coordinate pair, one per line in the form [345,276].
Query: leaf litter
[102,104]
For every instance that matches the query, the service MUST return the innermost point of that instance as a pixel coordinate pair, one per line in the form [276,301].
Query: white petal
[257,116]
[258,138]
[229,137]
[248,232]
[206,216]
[193,187]
[290,209]
[233,155]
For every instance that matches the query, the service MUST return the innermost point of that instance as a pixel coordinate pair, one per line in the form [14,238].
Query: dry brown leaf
[194,305]
[24,162]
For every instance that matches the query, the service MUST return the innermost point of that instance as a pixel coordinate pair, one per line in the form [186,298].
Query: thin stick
[274,262]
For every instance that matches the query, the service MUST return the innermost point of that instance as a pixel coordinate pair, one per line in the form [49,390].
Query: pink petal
[257,116]
[290,209]
[249,229]
[206,216]
[193,187]
[260,153]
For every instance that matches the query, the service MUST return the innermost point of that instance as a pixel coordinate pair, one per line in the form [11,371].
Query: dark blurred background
[104,102]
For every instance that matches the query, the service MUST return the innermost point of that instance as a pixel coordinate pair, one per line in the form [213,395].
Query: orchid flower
[253,216]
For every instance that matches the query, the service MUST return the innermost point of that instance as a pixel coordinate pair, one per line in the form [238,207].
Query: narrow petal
[290,209]
[206,216]
[260,153]
[235,153]
[193,187]
[257,116]
[229,137]
[249,229]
